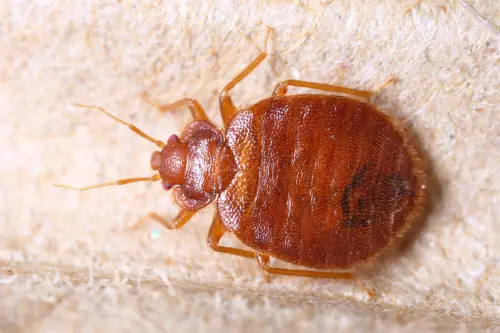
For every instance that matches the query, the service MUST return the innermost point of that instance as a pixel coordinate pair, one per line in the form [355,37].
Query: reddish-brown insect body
[320,181]
[323,181]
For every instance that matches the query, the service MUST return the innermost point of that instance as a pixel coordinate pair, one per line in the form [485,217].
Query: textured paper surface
[73,262]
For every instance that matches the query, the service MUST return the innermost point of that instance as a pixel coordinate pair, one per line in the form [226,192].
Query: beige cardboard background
[73,262]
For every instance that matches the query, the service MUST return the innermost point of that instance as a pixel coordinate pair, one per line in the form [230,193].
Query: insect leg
[195,107]
[178,222]
[216,232]
[227,107]
[383,85]
[263,261]
[282,88]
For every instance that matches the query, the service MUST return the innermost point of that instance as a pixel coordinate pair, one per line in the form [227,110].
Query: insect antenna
[132,127]
[113,183]
[120,181]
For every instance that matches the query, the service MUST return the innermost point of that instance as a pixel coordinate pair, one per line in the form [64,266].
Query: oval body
[323,181]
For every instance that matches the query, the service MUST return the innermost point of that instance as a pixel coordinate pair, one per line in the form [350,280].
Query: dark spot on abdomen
[359,177]
[350,222]
[357,181]
[344,201]
[397,186]
[362,216]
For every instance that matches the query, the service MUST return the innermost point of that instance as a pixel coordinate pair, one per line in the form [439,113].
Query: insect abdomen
[324,181]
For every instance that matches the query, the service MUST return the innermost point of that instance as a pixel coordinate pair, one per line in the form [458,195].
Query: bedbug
[321,181]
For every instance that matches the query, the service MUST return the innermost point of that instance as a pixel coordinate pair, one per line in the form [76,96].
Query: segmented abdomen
[323,181]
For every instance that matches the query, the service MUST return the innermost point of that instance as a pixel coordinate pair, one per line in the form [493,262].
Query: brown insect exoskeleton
[325,182]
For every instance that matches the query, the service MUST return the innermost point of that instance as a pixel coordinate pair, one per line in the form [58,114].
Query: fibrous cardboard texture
[80,262]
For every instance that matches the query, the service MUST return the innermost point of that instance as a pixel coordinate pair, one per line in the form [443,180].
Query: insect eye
[173,138]
[167,186]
